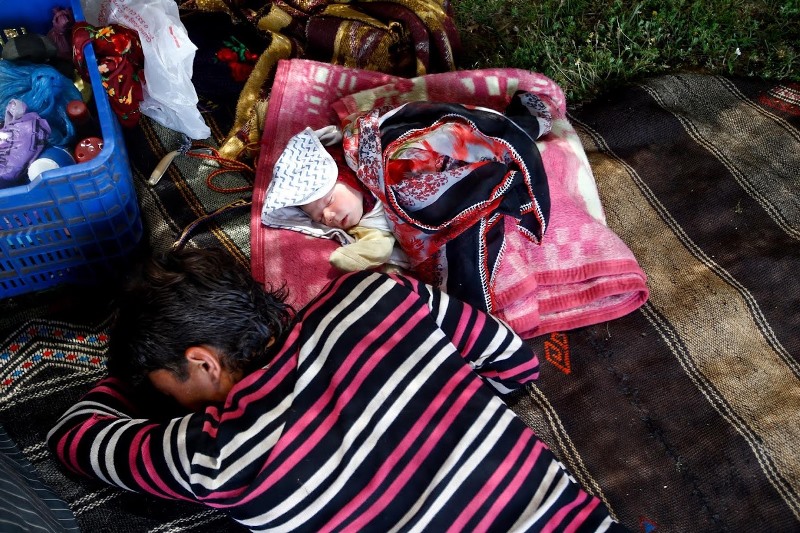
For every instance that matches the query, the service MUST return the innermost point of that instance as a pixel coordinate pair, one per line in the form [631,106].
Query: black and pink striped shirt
[378,414]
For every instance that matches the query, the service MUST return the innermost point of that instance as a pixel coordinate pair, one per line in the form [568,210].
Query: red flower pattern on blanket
[445,172]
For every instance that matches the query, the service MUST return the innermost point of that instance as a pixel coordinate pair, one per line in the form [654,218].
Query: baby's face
[342,207]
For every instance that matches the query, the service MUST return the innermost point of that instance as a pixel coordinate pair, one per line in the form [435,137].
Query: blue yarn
[45,91]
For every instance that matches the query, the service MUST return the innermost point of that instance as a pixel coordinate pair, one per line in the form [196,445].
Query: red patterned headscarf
[348,177]
[120,60]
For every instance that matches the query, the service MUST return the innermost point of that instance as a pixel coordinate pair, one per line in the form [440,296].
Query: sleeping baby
[312,191]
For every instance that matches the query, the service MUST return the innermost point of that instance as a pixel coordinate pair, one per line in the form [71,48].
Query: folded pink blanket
[581,274]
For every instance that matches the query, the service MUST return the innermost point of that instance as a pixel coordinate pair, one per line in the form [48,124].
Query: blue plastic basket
[75,224]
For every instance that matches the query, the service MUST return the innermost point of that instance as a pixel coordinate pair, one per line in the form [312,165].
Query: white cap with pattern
[304,172]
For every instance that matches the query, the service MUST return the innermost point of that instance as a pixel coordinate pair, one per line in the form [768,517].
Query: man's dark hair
[192,297]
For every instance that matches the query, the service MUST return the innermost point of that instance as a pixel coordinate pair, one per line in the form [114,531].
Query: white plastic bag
[169,96]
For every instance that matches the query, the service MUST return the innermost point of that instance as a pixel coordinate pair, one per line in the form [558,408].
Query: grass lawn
[592,46]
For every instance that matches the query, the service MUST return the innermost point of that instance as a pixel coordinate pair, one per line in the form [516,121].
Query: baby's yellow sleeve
[372,248]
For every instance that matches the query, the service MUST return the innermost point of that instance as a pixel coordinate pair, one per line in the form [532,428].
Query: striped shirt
[379,413]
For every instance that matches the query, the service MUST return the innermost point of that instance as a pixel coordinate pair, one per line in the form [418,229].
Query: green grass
[592,46]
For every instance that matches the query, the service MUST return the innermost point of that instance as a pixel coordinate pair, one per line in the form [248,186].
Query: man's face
[192,394]
[208,381]
[342,207]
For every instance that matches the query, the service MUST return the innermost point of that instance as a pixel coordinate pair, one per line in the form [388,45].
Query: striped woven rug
[682,416]
[685,415]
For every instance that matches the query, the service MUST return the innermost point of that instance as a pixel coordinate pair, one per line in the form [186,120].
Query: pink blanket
[581,274]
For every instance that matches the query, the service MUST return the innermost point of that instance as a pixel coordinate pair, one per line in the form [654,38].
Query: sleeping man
[376,408]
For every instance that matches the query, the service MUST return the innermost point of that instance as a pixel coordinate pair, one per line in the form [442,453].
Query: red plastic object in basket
[87,149]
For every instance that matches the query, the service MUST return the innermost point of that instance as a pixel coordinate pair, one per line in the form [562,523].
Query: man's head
[342,207]
[193,322]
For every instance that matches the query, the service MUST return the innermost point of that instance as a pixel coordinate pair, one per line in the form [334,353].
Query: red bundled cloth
[120,60]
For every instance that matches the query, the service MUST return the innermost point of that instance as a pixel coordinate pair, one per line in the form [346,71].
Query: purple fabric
[22,138]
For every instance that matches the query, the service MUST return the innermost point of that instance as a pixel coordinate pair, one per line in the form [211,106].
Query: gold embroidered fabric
[400,37]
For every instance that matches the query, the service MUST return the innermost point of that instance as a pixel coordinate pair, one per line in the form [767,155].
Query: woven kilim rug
[682,416]
[685,415]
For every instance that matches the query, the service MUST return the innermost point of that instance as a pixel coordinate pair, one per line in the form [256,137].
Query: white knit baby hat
[304,172]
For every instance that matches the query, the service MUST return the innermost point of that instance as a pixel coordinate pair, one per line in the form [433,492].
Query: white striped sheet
[7,485]
[25,511]
[256,451]
[18,462]
[465,467]
[525,520]
[20,471]
[83,408]
[562,483]
[14,524]
[364,423]
[61,512]
[64,527]
[22,511]
[342,321]
[94,455]
[67,519]
[178,472]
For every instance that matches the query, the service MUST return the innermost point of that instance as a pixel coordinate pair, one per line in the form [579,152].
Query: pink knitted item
[581,274]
